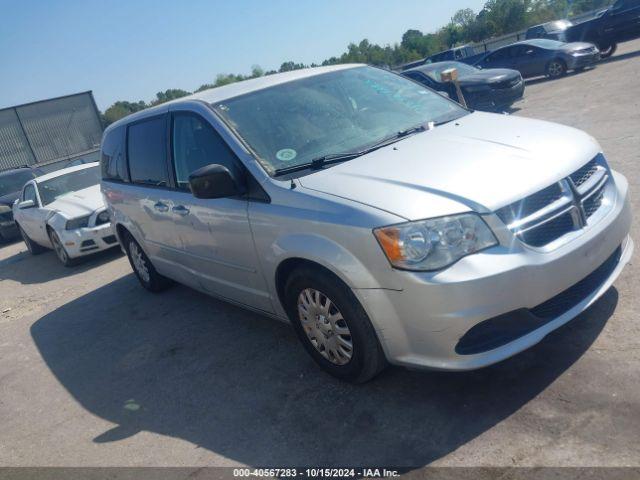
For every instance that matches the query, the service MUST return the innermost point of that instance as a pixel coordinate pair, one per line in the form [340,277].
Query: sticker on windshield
[286,154]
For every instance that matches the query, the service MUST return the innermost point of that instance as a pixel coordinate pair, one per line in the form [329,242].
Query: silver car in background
[384,221]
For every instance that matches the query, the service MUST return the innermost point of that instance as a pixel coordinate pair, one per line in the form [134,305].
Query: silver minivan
[387,223]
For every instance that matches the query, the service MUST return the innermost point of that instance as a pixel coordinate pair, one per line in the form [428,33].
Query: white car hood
[79,204]
[480,162]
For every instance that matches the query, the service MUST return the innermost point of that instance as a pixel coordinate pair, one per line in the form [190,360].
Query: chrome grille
[549,231]
[569,205]
[585,173]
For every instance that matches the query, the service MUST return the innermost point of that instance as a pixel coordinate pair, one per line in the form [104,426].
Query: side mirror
[26,204]
[214,181]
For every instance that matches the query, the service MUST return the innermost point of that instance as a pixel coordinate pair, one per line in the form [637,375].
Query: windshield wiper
[319,162]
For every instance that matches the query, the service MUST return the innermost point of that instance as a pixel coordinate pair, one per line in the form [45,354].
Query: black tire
[367,358]
[60,251]
[151,279]
[607,50]
[33,247]
[556,68]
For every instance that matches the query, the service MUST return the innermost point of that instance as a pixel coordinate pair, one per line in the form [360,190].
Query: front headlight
[4,209]
[76,223]
[103,217]
[436,243]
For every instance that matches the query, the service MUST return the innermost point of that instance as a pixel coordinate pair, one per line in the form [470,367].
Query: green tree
[121,109]
[167,95]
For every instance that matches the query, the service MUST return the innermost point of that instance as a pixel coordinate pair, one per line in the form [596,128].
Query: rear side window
[113,166]
[147,152]
[195,145]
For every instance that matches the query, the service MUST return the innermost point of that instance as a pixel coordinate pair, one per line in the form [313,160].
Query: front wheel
[143,268]
[61,252]
[556,69]
[332,325]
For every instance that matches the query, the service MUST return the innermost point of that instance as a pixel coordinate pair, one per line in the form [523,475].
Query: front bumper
[84,241]
[8,229]
[582,61]
[495,98]
[422,324]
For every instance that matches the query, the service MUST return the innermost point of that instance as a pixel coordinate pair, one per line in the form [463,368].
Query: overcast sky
[129,50]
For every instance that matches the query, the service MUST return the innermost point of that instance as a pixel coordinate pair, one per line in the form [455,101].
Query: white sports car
[64,210]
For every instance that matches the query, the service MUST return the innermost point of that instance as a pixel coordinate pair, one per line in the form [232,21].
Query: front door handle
[180,210]
[161,207]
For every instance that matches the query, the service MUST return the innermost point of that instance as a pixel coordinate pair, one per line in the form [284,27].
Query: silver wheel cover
[59,249]
[138,262]
[324,326]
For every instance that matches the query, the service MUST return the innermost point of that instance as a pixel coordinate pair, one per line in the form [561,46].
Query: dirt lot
[95,371]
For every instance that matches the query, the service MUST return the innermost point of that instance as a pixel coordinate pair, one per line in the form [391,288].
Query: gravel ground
[94,371]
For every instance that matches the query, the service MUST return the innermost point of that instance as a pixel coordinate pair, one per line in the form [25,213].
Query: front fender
[352,269]
[57,221]
[327,253]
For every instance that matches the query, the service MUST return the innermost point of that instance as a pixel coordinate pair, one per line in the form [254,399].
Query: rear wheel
[556,68]
[332,325]
[61,252]
[143,268]
[33,247]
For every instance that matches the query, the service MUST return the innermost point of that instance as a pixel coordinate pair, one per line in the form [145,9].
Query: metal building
[50,133]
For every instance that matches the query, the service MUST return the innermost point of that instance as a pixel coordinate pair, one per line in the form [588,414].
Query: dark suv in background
[11,183]
[618,23]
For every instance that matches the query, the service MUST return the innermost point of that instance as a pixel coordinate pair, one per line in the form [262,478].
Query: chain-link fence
[49,131]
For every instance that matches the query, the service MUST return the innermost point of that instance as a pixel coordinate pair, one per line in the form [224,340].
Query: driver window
[30,193]
[195,145]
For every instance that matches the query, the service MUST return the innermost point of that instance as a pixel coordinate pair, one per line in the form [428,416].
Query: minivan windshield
[51,190]
[343,111]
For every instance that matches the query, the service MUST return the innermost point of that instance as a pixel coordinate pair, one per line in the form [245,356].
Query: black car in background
[11,183]
[488,90]
[533,58]
[555,30]
[618,23]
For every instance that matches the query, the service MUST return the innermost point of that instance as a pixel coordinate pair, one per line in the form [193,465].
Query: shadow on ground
[185,365]
[29,269]
[621,57]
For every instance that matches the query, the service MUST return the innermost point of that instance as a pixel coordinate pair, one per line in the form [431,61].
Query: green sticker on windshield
[286,154]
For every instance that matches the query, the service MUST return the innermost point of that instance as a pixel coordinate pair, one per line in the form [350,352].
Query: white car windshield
[51,190]
[338,112]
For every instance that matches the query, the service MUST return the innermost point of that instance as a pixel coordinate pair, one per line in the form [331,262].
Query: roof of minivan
[218,94]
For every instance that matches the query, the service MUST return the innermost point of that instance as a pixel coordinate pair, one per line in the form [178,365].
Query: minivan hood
[79,204]
[480,162]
